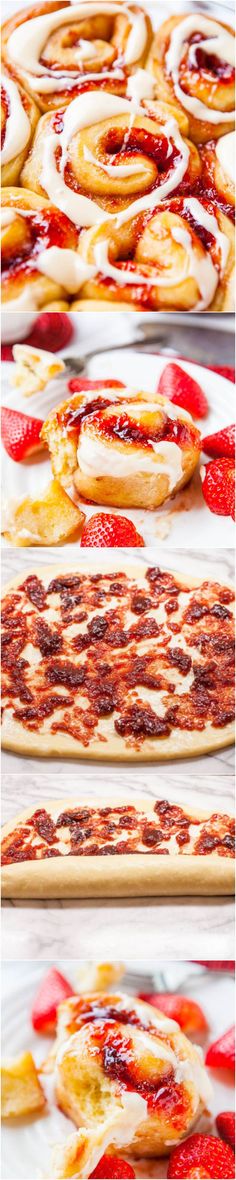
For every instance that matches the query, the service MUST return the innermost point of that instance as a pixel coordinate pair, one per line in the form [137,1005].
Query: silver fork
[144,334]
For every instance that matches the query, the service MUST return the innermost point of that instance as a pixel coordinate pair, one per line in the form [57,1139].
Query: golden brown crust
[16,244]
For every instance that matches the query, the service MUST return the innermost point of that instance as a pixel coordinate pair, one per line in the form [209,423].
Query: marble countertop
[169,927]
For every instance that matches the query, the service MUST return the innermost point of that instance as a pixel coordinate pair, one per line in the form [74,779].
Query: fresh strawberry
[52,991]
[220,444]
[178,387]
[218,487]
[112,532]
[216,964]
[221,1054]
[188,1014]
[112,1168]
[20,434]
[200,1157]
[77,384]
[52,331]
[225,1123]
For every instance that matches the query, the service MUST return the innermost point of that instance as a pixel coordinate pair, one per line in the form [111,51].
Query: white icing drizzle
[7,216]
[64,267]
[225,152]
[140,85]
[26,43]
[17,123]
[25,302]
[210,223]
[116,170]
[88,110]
[99,458]
[217,41]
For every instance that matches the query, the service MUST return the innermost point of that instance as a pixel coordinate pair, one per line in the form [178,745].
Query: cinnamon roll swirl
[30,227]
[103,155]
[19,117]
[122,447]
[192,59]
[59,49]
[116,1058]
[179,259]
[218,174]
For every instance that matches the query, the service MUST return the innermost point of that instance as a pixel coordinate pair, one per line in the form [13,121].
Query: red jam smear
[118,831]
[46,227]
[209,64]
[127,430]
[98,606]
[5,107]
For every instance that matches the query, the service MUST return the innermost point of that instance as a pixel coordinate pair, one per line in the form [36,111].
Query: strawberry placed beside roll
[202,1157]
[187,1013]
[20,434]
[225,1123]
[221,1054]
[221,444]
[106,530]
[218,487]
[110,1167]
[52,991]
[183,390]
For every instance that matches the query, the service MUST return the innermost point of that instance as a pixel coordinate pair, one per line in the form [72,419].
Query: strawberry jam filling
[114,831]
[44,228]
[5,110]
[102,616]
[161,1093]
[208,63]
[127,430]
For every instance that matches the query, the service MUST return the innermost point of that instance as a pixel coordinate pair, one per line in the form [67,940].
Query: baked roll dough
[181,258]
[115,1054]
[219,161]
[116,155]
[19,117]
[70,848]
[167,689]
[29,224]
[129,454]
[71,47]
[192,59]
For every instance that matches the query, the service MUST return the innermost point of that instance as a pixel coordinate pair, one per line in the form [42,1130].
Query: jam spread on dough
[107,647]
[109,831]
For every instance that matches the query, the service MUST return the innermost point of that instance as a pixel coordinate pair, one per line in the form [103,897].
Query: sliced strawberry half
[221,444]
[225,1123]
[201,1157]
[111,1167]
[77,384]
[218,487]
[110,531]
[52,991]
[216,964]
[20,434]
[187,1013]
[183,390]
[221,1054]
[52,331]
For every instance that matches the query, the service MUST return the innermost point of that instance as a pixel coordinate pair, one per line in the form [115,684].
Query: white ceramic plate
[27,1145]
[183,521]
